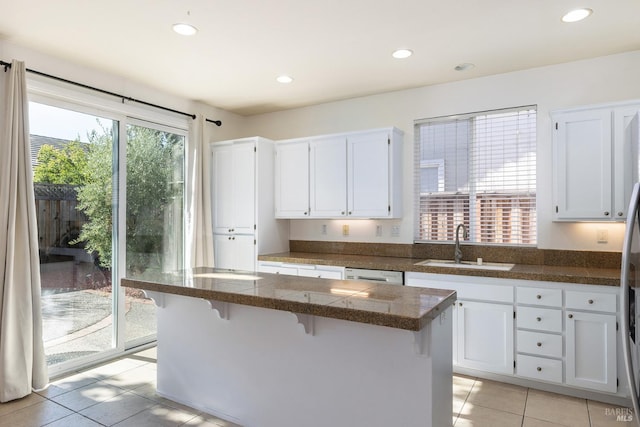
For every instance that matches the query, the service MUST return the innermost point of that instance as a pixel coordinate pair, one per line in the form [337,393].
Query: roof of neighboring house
[37,141]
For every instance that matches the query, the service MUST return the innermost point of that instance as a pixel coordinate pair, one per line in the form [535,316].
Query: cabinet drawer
[539,368]
[542,319]
[539,296]
[493,293]
[592,301]
[539,343]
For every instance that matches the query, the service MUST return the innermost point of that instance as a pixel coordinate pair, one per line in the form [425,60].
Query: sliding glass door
[154,216]
[110,203]
[72,161]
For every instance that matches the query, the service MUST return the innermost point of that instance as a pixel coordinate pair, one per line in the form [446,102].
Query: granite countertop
[549,273]
[394,306]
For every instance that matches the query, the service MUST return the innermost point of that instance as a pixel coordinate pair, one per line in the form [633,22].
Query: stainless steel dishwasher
[380,276]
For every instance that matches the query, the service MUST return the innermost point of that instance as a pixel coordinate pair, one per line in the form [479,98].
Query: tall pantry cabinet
[242,203]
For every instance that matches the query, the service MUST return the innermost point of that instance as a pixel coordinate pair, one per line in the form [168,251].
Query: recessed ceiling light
[464,66]
[402,53]
[284,79]
[576,15]
[184,29]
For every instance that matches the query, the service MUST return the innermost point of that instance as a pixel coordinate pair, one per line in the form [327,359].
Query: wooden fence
[59,220]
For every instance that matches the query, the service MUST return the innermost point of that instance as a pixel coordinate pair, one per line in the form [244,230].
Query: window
[478,170]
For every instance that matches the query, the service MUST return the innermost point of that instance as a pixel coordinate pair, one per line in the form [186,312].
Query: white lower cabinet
[235,251]
[485,336]
[277,268]
[591,350]
[482,323]
[563,334]
[304,270]
[539,340]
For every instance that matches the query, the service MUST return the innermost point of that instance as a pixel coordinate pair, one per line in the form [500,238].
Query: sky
[60,123]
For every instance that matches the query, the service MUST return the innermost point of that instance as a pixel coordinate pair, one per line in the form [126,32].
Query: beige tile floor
[122,393]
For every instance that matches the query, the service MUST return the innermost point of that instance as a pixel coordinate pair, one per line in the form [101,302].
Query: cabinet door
[582,165]
[623,154]
[234,251]
[328,177]
[245,252]
[224,251]
[591,351]
[485,336]
[222,188]
[243,185]
[292,180]
[368,175]
[233,187]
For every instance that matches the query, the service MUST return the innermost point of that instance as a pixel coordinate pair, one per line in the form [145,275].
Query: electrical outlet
[345,230]
[324,229]
[378,231]
[395,231]
[602,236]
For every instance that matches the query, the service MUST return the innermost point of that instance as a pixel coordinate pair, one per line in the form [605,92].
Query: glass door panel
[72,158]
[154,218]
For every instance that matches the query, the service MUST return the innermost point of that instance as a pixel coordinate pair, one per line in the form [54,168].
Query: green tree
[152,188]
[66,165]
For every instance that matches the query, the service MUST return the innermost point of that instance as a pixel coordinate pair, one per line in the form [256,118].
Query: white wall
[606,79]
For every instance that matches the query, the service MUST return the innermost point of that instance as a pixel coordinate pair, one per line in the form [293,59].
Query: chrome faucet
[457,256]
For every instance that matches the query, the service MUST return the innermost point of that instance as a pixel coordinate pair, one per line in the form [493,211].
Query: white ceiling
[334,49]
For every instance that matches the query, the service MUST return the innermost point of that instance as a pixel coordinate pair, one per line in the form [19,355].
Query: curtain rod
[7,65]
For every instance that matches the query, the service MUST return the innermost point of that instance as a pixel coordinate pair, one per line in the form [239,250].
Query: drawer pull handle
[590,301]
[539,369]
[538,296]
[571,316]
[539,319]
[539,344]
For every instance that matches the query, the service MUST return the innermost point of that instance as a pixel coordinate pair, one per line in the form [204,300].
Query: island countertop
[399,307]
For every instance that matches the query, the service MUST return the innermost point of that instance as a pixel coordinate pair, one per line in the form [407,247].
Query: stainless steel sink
[499,266]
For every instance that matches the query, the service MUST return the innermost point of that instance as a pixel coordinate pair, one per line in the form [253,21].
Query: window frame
[468,216]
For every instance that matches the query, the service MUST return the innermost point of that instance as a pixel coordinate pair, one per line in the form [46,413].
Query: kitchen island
[268,350]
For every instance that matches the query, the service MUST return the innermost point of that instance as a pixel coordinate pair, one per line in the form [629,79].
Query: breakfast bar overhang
[268,350]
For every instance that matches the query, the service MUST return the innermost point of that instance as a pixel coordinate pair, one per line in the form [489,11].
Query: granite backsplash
[508,254]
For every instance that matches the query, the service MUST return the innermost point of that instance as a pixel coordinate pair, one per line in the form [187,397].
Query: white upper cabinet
[233,179]
[353,175]
[369,179]
[592,163]
[292,179]
[328,177]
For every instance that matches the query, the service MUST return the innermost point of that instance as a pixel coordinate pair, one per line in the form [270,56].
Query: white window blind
[478,170]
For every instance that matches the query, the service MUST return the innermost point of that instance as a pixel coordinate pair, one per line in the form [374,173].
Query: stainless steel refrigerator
[629,294]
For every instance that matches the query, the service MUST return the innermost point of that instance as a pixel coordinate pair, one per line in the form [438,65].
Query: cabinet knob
[460,304]
[571,316]
[539,319]
[342,213]
[620,213]
[539,344]
[305,213]
[539,369]
[349,212]
[538,296]
[590,301]
[606,213]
